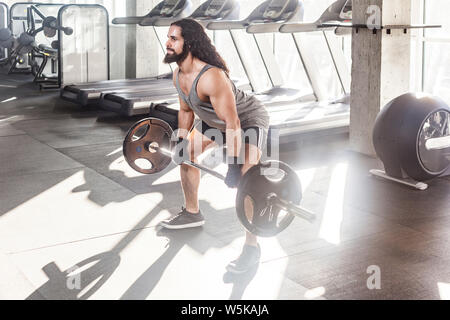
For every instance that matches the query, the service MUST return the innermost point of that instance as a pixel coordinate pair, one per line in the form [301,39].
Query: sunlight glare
[315,293]
[118,150]
[444,290]
[332,217]
[9,100]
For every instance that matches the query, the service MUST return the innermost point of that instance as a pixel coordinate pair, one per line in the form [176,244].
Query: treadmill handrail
[155,12]
[299,27]
[127,20]
[227,25]
[160,21]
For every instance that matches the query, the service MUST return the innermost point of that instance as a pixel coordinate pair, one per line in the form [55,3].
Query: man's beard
[177,58]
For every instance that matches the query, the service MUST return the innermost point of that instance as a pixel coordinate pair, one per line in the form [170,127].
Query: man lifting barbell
[205,89]
[269,193]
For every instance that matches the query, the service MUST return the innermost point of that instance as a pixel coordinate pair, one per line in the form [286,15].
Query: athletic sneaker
[184,220]
[248,259]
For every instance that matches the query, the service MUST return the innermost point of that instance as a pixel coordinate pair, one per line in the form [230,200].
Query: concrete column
[130,42]
[149,54]
[381,65]
[142,52]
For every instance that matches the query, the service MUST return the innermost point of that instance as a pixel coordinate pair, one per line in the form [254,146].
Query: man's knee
[252,157]
[198,144]
[195,149]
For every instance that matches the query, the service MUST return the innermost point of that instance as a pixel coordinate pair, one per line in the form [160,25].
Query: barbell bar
[272,200]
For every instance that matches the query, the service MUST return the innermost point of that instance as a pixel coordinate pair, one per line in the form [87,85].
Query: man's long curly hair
[197,42]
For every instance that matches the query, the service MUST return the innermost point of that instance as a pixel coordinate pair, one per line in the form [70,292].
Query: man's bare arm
[186,119]
[186,116]
[216,85]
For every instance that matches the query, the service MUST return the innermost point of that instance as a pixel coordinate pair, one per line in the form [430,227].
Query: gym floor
[76,222]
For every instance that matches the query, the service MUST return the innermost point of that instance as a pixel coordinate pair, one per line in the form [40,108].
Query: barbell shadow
[107,263]
[61,287]
[98,196]
[143,184]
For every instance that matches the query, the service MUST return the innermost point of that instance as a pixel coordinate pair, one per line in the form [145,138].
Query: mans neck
[190,65]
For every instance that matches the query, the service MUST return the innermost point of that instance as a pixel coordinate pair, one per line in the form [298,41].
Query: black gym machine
[24,48]
[49,27]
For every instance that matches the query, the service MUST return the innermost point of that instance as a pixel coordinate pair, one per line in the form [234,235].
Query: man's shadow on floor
[240,282]
[88,276]
[146,283]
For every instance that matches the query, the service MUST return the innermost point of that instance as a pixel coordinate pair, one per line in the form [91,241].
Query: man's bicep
[185,118]
[218,88]
[224,104]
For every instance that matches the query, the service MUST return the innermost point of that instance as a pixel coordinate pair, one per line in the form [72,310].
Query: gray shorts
[253,135]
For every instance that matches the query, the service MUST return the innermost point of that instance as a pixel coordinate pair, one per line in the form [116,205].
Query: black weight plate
[259,183]
[137,147]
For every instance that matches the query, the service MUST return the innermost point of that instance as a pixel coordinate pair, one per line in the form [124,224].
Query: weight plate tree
[412,137]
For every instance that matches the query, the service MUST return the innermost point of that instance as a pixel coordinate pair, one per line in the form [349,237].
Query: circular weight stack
[55,44]
[26,43]
[50,24]
[411,137]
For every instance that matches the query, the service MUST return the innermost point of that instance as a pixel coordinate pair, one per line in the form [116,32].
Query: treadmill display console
[215,7]
[169,7]
[275,9]
[346,13]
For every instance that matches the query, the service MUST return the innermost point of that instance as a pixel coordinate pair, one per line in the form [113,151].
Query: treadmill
[338,12]
[139,100]
[291,10]
[273,13]
[297,116]
[322,115]
[90,93]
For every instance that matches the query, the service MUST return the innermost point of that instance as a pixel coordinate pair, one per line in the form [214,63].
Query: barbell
[273,188]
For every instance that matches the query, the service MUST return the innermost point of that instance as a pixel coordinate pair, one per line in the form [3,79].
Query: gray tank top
[251,112]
